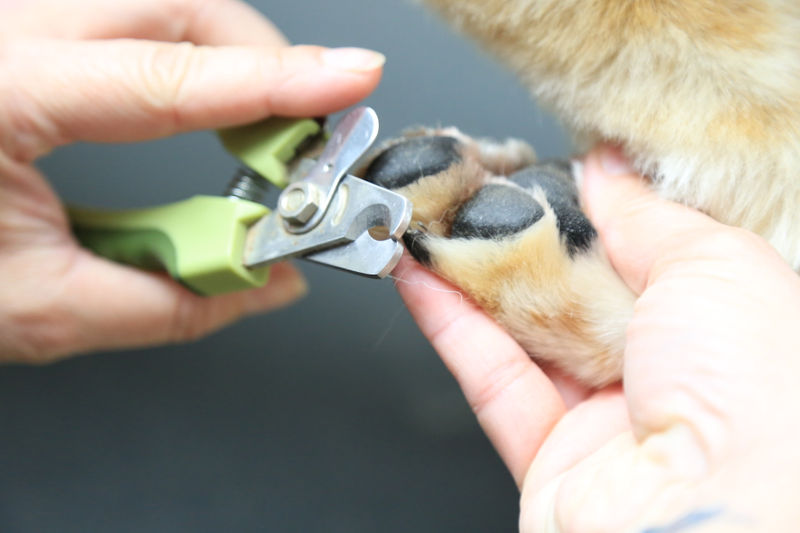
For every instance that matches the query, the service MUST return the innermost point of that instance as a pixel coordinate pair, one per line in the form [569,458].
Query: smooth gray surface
[333,415]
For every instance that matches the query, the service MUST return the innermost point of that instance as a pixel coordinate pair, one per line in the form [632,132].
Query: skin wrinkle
[649,436]
[499,380]
[265,105]
[46,323]
[584,416]
[733,242]
[47,132]
[435,335]
[186,324]
[26,213]
[277,64]
[680,404]
[28,123]
[69,272]
[165,74]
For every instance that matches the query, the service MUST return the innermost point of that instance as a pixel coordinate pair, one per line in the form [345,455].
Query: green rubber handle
[199,241]
[267,146]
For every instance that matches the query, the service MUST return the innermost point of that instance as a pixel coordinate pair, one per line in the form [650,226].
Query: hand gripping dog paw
[510,232]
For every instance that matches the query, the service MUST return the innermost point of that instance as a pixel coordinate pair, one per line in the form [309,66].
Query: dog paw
[509,231]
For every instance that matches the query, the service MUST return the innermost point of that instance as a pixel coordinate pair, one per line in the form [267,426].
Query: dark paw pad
[408,161]
[496,211]
[415,244]
[555,181]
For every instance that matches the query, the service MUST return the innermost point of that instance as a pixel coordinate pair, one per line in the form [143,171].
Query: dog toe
[406,162]
[555,182]
[496,211]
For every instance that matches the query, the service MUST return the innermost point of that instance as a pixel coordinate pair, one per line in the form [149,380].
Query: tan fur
[703,94]
[569,312]
[437,197]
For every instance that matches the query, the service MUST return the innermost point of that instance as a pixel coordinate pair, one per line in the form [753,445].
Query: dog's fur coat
[703,95]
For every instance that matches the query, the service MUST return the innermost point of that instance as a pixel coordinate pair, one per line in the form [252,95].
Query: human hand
[702,435]
[129,70]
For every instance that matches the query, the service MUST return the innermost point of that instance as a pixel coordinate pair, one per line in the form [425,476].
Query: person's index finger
[516,404]
[130,90]
[217,22]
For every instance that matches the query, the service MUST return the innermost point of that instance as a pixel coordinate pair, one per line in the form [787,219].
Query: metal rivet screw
[298,202]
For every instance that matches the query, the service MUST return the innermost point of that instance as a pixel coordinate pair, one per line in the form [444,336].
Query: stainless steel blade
[356,208]
[365,256]
[349,140]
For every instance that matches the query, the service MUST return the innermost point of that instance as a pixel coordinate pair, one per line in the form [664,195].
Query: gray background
[332,415]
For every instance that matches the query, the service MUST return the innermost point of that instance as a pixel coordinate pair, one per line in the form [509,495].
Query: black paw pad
[562,195]
[410,160]
[553,177]
[496,211]
[415,244]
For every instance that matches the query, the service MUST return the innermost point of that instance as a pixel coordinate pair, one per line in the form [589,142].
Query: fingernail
[614,162]
[299,287]
[353,59]
[276,295]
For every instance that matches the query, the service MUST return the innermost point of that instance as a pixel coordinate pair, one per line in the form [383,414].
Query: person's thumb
[638,228]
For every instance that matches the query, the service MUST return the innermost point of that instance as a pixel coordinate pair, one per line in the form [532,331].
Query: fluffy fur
[704,96]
